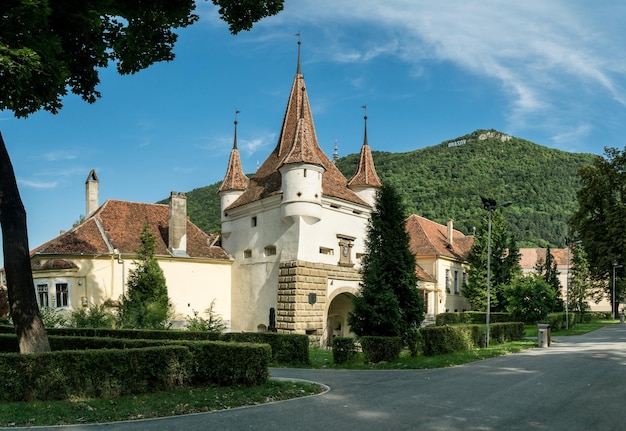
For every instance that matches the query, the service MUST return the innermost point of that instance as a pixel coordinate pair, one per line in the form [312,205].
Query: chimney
[451,232]
[177,235]
[91,193]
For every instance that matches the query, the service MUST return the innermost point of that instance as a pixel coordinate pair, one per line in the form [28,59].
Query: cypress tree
[389,303]
[146,303]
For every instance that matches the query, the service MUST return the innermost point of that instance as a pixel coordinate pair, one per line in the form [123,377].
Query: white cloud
[54,156]
[37,184]
[541,54]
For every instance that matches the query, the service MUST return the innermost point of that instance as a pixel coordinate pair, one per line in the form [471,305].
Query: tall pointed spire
[298,142]
[298,71]
[235,179]
[365,175]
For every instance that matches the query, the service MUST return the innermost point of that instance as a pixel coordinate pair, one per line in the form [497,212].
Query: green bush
[555,320]
[95,316]
[344,349]
[286,348]
[92,373]
[506,331]
[437,340]
[381,349]
[471,317]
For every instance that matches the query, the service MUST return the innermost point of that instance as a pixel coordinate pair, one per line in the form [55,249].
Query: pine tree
[146,304]
[551,276]
[389,303]
[504,265]
[580,285]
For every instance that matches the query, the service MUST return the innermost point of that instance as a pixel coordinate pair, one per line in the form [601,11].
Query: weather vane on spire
[365,111]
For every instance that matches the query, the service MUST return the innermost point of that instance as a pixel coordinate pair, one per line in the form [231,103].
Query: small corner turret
[365,181]
[235,181]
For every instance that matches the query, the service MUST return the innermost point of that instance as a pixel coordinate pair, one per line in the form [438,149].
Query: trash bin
[621,318]
[543,335]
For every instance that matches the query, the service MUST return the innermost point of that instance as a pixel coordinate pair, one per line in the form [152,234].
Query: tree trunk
[31,334]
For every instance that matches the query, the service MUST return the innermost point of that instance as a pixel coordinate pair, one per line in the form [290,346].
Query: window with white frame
[62,298]
[43,295]
[456,282]
[448,281]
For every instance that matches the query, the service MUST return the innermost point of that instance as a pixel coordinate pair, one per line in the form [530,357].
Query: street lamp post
[568,243]
[490,205]
[615,265]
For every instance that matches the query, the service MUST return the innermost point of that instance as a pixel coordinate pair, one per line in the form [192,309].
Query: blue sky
[552,72]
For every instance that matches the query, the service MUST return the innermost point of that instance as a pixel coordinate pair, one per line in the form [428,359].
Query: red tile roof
[529,257]
[428,238]
[297,143]
[118,225]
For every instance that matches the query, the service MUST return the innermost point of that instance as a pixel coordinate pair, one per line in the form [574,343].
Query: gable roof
[427,238]
[297,144]
[116,227]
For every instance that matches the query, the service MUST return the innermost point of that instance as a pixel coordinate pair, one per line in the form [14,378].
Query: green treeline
[446,181]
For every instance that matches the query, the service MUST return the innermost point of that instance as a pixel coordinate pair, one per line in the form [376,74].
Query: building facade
[296,230]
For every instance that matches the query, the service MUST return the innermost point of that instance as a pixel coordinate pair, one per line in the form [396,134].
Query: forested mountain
[447,180]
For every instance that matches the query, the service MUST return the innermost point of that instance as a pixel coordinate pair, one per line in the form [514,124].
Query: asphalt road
[576,384]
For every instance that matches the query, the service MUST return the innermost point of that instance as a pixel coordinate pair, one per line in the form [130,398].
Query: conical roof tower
[365,181]
[235,181]
[297,143]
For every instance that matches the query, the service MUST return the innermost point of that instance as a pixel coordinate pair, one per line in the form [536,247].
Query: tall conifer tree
[504,265]
[146,304]
[389,303]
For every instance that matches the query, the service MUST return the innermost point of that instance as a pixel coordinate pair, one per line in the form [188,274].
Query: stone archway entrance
[337,317]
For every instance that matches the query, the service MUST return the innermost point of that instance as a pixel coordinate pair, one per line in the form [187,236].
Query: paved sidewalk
[576,384]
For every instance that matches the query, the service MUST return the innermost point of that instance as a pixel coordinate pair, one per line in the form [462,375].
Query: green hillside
[446,181]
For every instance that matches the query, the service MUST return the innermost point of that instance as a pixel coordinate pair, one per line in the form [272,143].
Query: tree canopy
[504,264]
[441,182]
[50,47]
[601,216]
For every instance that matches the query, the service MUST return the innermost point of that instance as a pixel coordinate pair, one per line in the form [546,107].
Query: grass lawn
[195,400]
[172,403]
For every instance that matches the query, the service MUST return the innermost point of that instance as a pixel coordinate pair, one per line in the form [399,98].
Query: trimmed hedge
[506,331]
[471,317]
[437,340]
[92,373]
[286,348]
[344,349]
[210,362]
[381,349]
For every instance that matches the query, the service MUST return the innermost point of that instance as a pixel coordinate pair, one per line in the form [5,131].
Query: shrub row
[506,331]
[286,348]
[437,340]
[557,320]
[381,349]
[209,362]
[92,373]
[471,317]
[344,349]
